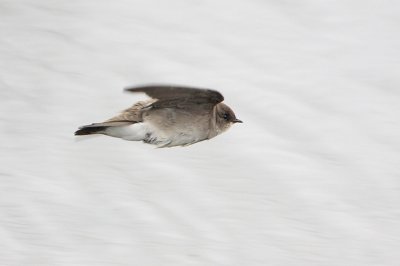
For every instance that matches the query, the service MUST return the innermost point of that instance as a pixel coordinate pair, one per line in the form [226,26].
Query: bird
[172,116]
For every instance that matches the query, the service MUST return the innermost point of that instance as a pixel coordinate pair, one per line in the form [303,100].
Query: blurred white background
[310,178]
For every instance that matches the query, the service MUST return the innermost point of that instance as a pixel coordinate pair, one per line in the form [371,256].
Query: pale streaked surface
[310,178]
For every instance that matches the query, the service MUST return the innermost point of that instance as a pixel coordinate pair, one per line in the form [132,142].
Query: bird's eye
[226,116]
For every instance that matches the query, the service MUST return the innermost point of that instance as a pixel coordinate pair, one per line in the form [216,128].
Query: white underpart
[180,139]
[149,133]
[134,132]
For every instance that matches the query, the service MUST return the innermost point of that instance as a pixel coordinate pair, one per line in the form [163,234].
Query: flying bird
[173,116]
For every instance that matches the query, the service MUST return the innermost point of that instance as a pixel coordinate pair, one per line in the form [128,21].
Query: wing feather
[173,95]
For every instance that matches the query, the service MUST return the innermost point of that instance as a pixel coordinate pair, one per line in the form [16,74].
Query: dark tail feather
[88,130]
[98,128]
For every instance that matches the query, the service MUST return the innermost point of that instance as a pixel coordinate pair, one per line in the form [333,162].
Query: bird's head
[225,117]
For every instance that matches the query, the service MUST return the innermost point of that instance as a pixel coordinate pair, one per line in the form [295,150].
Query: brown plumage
[174,116]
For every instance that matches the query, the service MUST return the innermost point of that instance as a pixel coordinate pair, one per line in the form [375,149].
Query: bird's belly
[134,132]
[162,137]
[172,127]
[175,137]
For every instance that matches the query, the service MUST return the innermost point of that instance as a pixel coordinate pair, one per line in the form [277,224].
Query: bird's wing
[178,96]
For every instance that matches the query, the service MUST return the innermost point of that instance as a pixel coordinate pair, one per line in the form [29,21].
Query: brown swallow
[174,116]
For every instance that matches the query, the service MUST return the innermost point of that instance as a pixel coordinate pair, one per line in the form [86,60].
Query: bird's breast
[171,127]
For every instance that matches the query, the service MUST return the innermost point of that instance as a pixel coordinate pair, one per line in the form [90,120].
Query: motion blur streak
[310,178]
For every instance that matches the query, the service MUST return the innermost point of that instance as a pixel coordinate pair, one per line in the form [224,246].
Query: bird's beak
[237,121]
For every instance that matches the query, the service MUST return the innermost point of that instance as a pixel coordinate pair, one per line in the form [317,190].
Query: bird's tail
[98,128]
[87,130]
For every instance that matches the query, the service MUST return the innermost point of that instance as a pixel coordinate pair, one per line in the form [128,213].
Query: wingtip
[143,87]
[134,89]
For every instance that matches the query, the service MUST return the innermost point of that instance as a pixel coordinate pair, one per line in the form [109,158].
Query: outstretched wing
[178,96]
